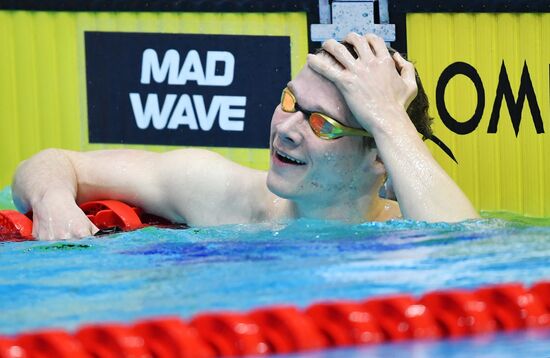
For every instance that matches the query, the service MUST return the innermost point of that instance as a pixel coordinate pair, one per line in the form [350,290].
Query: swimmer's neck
[360,209]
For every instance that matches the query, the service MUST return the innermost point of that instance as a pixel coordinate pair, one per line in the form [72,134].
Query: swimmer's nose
[290,130]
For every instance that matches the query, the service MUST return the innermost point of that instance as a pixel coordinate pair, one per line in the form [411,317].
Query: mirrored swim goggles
[326,127]
[321,124]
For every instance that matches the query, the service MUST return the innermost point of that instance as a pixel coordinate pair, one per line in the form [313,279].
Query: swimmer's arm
[423,189]
[210,189]
[126,175]
[183,185]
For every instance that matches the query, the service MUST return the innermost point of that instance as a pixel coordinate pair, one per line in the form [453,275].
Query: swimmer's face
[302,164]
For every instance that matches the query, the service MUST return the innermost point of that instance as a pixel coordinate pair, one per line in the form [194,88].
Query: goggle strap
[443,147]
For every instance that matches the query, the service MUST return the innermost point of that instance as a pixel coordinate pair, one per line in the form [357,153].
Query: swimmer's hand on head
[373,88]
[378,88]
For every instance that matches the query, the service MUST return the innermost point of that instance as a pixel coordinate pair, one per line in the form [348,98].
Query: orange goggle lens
[320,126]
[288,102]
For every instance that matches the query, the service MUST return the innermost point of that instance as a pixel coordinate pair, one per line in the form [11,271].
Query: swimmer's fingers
[361,45]
[325,66]
[405,68]
[340,53]
[61,225]
[408,74]
[47,232]
[378,46]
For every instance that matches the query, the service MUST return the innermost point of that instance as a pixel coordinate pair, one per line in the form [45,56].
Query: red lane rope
[278,329]
[286,329]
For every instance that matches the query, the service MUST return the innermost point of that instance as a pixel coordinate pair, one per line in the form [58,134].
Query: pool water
[151,272]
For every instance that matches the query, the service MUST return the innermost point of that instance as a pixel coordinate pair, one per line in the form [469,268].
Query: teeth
[290,158]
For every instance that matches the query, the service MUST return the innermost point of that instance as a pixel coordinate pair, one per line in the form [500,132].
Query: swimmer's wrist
[393,123]
[53,197]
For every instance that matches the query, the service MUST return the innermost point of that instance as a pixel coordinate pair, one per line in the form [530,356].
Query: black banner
[184,89]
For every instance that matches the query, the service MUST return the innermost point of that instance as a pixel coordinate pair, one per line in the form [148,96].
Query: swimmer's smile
[281,158]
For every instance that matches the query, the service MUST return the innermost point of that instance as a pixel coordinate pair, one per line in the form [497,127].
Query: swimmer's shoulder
[224,189]
[205,188]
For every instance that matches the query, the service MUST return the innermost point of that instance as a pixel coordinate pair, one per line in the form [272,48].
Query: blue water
[151,272]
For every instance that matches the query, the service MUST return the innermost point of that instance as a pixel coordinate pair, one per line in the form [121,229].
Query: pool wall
[485,69]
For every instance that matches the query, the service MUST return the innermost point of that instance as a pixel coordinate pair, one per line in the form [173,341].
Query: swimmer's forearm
[423,188]
[48,172]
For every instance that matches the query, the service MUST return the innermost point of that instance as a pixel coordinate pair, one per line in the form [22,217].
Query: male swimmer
[340,130]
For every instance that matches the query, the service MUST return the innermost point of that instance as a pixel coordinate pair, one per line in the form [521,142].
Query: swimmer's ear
[375,163]
[378,166]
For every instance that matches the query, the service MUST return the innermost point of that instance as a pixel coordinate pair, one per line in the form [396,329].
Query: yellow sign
[487,76]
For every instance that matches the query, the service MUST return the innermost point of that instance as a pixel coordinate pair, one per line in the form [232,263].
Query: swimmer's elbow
[21,205]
